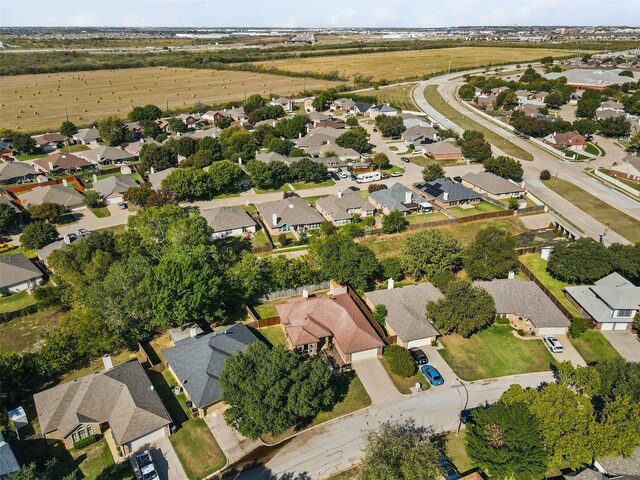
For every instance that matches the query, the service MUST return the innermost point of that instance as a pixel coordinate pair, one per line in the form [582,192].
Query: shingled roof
[16,269]
[227,218]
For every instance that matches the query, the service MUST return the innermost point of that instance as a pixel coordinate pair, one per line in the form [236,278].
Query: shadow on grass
[168,398]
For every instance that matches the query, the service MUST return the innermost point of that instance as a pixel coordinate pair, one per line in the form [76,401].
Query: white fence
[617,183]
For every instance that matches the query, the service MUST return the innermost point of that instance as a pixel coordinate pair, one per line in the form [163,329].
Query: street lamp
[466,403]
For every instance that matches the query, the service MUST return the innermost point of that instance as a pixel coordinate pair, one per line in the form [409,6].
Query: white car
[554,344]
[343,175]
[396,174]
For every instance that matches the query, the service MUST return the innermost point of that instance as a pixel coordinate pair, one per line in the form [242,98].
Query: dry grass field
[398,96]
[411,64]
[38,102]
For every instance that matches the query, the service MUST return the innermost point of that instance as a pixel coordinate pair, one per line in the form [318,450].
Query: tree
[296,390]
[390,126]
[237,143]
[615,126]
[507,99]
[448,133]
[620,420]
[223,122]
[467,91]
[426,253]
[392,268]
[137,195]
[150,128]
[545,175]
[308,171]
[503,166]
[157,157]
[37,235]
[9,218]
[184,146]
[491,255]
[533,127]
[380,160]
[267,112]
[619,377]
[225,176]
[626,261]
[584,380]
[176,125]
[555,99]
[189,184]
[464,309]
[112,130]
[23,143]
[200,159]
[583,261]
[252,103]
[352,122]
[292,127]
[148,112]
[585,126]
[211,145]
[587,107]
[92,199]
[355,138]
[268,175]
[68,129]
[476,149]
[51,471]
[399,451]
[505,441]
[161,198]
[48,211]
[432,171]
[379,314]
[278,145]
[399,359]
[394,222]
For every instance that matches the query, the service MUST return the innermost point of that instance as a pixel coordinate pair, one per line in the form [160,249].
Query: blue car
[431,374]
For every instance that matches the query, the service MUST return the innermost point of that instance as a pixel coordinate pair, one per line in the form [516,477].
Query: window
[74,437]
[82,433]
[624,313]
[90,430]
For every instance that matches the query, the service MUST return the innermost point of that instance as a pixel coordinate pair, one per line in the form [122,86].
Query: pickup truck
[146,468]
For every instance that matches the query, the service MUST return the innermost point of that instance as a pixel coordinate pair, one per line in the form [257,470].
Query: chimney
[512,275]
[274,219]
[35,167]
[390,283]
[50,166]
[99,158]
[152,170]
[407,197]
[64,182]
[305,293]
[340,194]
[239,160]
[446,196]
[95,178]
[193,331]
[106,360]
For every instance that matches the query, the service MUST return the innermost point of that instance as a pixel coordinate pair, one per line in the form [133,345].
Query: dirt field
[409,64]
[38,102]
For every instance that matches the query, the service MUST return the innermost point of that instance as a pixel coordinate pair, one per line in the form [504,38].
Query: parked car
[449,471]
[83,232]
[122,205]
[343,174]
[418,356]
[5,247]
[431,373]
[375,129]
[554,344]
[396,174]
[405,159]
[147,469]
[384,175]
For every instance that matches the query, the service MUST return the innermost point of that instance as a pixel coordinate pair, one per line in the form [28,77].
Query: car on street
[343,174]
[5,247]
[147,469]
[554,344]
[449,470]
[122,205]
[375,129]
[405,159]
[418,356]
[396,174]
[432,375]
[83,232]
[384,175]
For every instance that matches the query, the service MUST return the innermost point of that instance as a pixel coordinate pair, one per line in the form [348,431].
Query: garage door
[607,326]
[373,353]
[110,201]
[620,326]
[552,331]
[142,441]
[422,342]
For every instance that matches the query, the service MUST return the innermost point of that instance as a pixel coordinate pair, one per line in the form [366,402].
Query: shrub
[374,187]
[545,175]
[521,332]
[380,314]
[400,361]
[84,442]
[502,321]
[283,239]
[392,268]
[578,327]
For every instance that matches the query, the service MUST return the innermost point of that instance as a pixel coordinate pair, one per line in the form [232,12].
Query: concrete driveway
[570,353]
[626,344]
[435,359]
[165,460]
[376,381]
[233,445]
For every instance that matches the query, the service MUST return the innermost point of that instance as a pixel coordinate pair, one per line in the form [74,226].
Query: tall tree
[582,261]
[426,253]
[225,176]
[38,234]
[68,129]
[157,157]
[355,138]
[23,143]
[9,218]
[432,171]
[503,166]
[48,211]
[112,130]
[491,255]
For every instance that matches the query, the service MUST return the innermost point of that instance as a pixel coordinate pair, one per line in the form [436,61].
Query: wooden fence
[151,357]
[294,292]
[13,191]
[470,218]
[364,308]
[263,249]
[535,208]
[527,250]
[529,274]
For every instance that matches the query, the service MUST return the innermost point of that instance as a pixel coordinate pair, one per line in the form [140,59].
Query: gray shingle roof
[227,218]
[87,134]
[114,184]
[156,178]
[198,361]
[337,208]
[290,211]
[492,183]
[406,313]
[442,148]
[16,269]
[393,198]
[621,465]
[59,194]
[8,462]
[437,189]
[613,289]
[106,153]
[10,171]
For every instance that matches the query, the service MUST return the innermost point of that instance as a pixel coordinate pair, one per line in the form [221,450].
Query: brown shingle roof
[61,161]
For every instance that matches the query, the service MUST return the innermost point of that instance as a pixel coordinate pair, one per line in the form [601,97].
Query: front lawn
[482,207]
[33,156]
[456,451]
[24,332]
[101,212]
[24,251]
[404,384]
[593,346]
[392,169]
[494,352]
[629,183]
[304,185]
[197,450]
[16,301]
[282,188]
[351,397]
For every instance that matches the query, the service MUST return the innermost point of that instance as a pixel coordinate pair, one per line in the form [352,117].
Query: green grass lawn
[618,221]
[273,335]
[593,346]
[482,207]
[16,301]
[404,384]
[426,217]
[23,333]
[352,397]
[78,147]
[304,185]
[392,169]
[283,188]
[494,352]
[32,156]
[436,101]
[456,451]
[97,459]
[197,450]
[265,310]
[259,239]
[312,200]
[592,149]
[349,474]
[116,229]
[101,212]
[25,252]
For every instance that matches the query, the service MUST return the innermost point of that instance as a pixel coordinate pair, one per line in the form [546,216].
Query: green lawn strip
[265,310]
[176,405]
[349,474]
[392,169]
[16,301]
[630,183]
[593,346]
[273,335]
[115,229]
[494,352]
[618,221]
[352,397]
[312,200]
[259,239]
[78,147]
[101,212]
[456,451]
[97,459]
[404,384]
[438,102]
[592,149]
[24,332]
[32,156]
[423,161]
[197,450]
[482,207]
[305,185]
[283,188]
[426,217]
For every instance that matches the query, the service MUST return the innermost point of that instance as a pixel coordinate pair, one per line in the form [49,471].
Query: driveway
[165,460]
[626,344]
[376,381]
[570,353]
[233,445]
[435,359]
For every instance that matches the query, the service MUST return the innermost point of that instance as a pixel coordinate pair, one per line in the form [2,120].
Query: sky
[316,13]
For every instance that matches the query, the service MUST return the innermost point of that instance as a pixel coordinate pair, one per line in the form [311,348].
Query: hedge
[400,361]
[8,316]
[84,442]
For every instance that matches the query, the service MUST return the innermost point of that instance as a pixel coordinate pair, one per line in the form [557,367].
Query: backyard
[593,347]
[272,335]
[16,301]
[494,352]
[482,207]
[24,332]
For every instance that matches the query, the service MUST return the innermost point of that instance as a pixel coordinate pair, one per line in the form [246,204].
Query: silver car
[554,344]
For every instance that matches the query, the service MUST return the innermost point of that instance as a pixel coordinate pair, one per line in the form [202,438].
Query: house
[206,132]
[229,221]
[237,114]
[189,120]
[333,323]
[87,136]
[333,164]
[540,96]
[334,124]
[340,209]
[16,172]
[9,203]
[163,124]
[398,198]
[420,134]
[60,194]
[523,96]
[611,303]
[50,141]
[406,315]
[156,178]
[612,105]
[307,104]
[443,151]
[411,120]
[119,402]
[289,214]
[492,185]
[629,168]
[526,306]
[8,462]
[326,131]
[18,273]
[317,117]
[111,189]
[211,116]
[620,467]
[268,157]
[272,122]
[106,154]
[445,193]
[384,109]
[196,362]
[345,104]
[335,150]
[286,103]
[135,147]
[528,110]
[568,140]
[313,139]
[61,162]
[361,108]
[486,100]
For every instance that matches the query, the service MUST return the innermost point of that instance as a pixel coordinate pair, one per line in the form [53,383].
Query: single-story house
[345,104]
[339,209]
[570,140]
[135,147]
[196,362]
[112,189]
[8,462]
[338,151]
[443,150]
[229,221]
[620,467]
[597,79]
[18,273]
[333,323]
[190,120]
[106,154]
[120,402]
[286,103]
[335,124]
[16,172]
[268,157]
[526,306]
[317,117]
[445,193]
[156,178]
[492,185]
[60,194]
[361,108]
[629,168]
[327,131]
[211,116]
[528,110]
[383,109]
[420,134]
[398,198]
[314,139]
[59,161]
[50,141]
[87,136]
[206,132]
[612,303]
[333,164]
[237,113]
[486,100]
[602,114]
[406,315]
[612,105]
[523,96]
[293,213]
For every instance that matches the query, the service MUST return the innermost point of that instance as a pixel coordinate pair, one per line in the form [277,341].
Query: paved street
[626,344]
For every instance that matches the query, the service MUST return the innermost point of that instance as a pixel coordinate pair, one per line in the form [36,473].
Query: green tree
[137,195]
[464,309]
[584,380]
[503,166]
[620,422]
[491,255]
[392,268]
[583,261]
[268,112]
[476,149]
[587,107]
[615,126]
[626,261]
[212,145]
[9,218]
[585,126]
[237,143]
[355,138]
[399,451]
[112,130]
[555,100]
[92,199]
[432,171]
[545,175]
[390,126]
[189,184]
[467,91]
[225,176]
[394,222]
[68,129]
[278,145]
[161,198]
[296,390]
[223,122]
[379,314]
[23,143]
[308,171]
[184,146]
[352,122]
[176,125]
[150,128]
[400,360]
[428,252]
[51,471]
[619,377]
[507,99]
[37,235]
[292,127]
[200,159]
[380,160]
[48,211]
[252,103]
[157,157]
[505,441]
[148,112]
